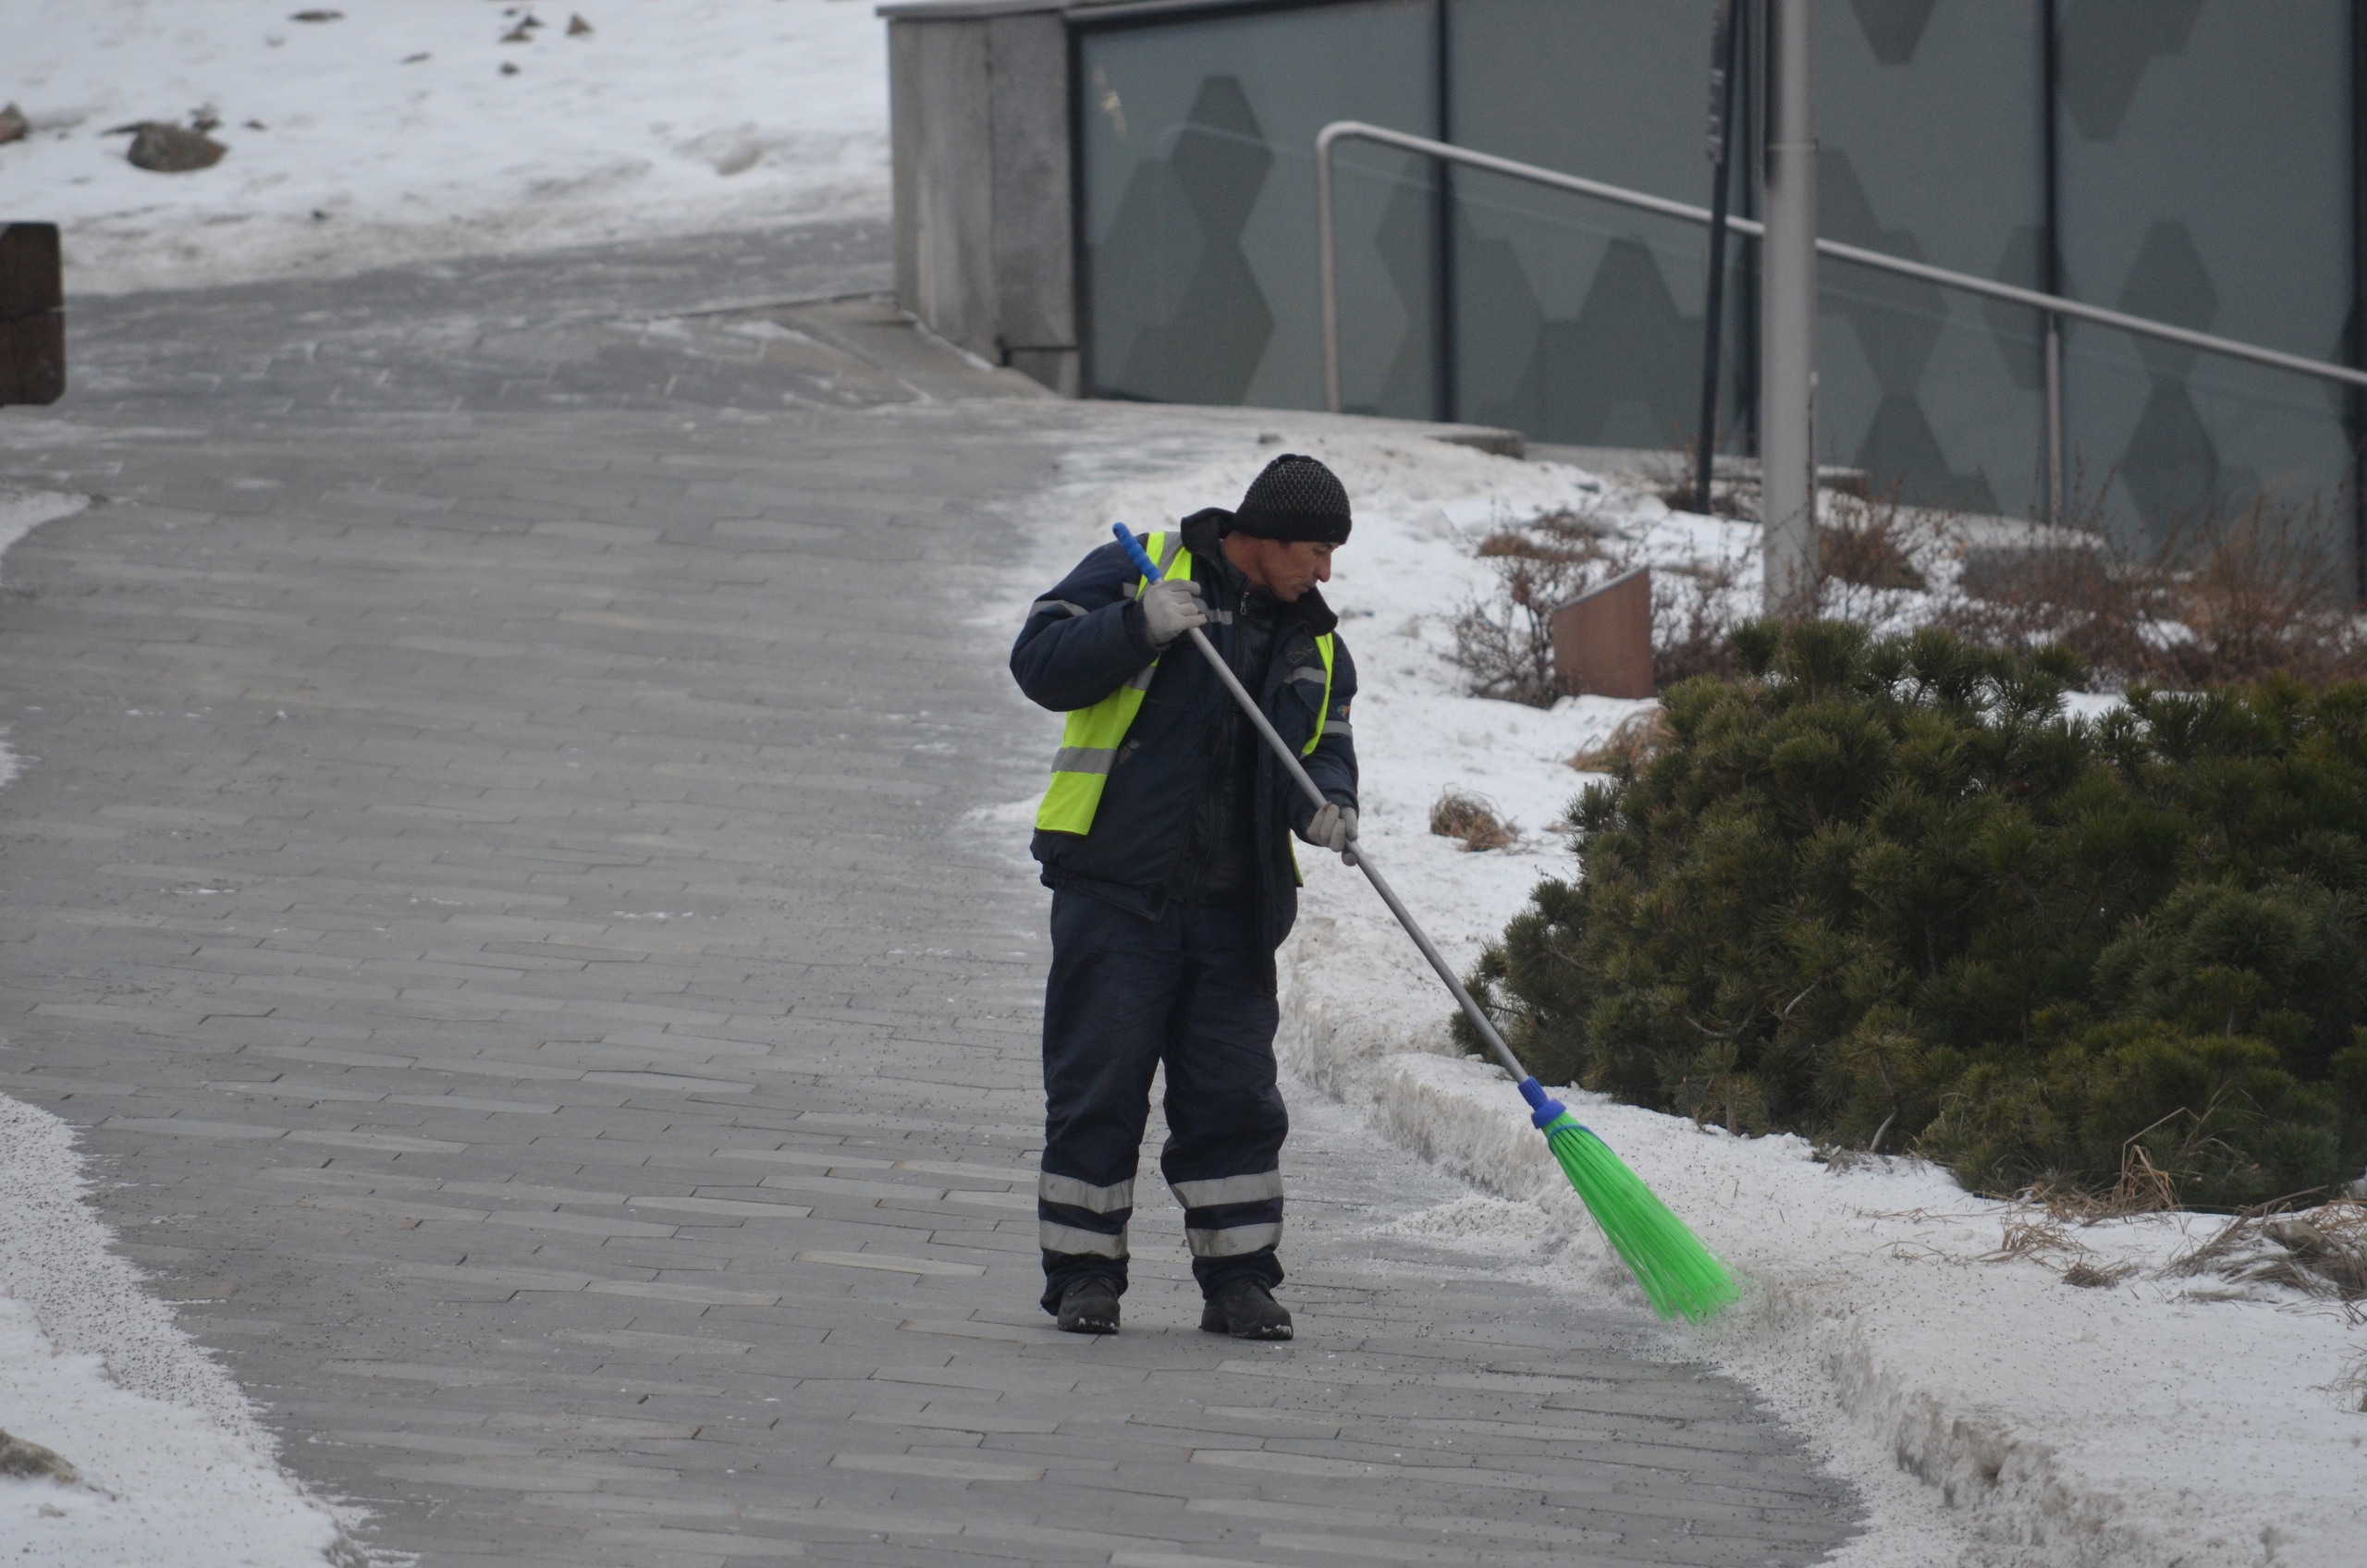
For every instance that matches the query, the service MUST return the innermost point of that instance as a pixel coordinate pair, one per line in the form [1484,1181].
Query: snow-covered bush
[1883,891]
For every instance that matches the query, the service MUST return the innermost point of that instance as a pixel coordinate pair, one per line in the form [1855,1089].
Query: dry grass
[1458,813]
[2321,1252]
[1506,643]
[1866,544]
[1638,739]
[2033,1235]
[2232,1241]
[1729,498]
[2222,600]
[1670,473]
[2037,1236]
[1691,621]
[2143,1188]
[2350,1389]
[2329,1241]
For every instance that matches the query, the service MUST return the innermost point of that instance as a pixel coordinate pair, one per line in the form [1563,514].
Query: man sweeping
[1165,841]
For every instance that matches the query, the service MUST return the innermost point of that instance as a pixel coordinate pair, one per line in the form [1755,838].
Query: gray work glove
[1333,828]
[1171,608]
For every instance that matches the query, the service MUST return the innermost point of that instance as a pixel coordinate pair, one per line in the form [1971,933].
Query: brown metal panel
[1602,641]
[32,314]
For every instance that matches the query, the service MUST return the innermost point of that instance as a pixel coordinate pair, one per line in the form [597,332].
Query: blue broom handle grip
[1143,563]
[1281,749]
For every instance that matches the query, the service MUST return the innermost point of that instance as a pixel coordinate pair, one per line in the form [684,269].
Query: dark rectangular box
[32,314]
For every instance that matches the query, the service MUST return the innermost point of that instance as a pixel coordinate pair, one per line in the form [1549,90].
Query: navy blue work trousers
[1192,989]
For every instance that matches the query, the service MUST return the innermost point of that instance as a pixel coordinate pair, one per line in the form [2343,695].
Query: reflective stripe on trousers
[1080,1220]
[1232,1215]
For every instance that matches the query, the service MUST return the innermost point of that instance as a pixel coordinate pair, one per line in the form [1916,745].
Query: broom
[1680,1277]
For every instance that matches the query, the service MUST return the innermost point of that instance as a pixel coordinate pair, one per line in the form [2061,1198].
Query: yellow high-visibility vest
[1090,739]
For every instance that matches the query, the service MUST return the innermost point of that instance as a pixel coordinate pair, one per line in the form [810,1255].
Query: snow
[173,1465]
[22,511]
[1988,1412]
[391,134]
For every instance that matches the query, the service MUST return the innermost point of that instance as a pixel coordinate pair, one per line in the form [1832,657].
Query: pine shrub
[1883,892]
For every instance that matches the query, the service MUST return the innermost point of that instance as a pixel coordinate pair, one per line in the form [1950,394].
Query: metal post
[1721,116]
[2055,504]
[1330,294]
[1787,319]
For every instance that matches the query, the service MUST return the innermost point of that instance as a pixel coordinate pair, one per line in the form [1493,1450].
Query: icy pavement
[168,1462]
[500,902]
[397,132]
[1988,1411]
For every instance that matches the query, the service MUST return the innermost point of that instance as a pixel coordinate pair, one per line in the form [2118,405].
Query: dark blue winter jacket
[1085,639]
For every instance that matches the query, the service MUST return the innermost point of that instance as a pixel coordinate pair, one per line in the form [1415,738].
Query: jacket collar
[1204,532]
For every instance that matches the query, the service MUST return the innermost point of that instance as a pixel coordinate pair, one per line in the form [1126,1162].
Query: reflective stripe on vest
[1090,742]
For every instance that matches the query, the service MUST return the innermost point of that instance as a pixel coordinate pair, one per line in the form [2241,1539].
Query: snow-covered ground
[171,1464]
[1989,1412]
[404,129]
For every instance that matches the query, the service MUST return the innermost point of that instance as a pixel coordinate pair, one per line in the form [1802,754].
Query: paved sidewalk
[501,898]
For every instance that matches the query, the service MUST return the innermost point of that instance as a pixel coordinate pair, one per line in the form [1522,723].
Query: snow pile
[173,1465]
[22,511]
[408,128]
[1989,1412]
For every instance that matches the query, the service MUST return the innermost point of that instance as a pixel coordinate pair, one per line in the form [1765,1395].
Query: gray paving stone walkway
[499,895]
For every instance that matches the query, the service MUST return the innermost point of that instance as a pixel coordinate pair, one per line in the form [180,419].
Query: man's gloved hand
[1333,828]
[1171,608]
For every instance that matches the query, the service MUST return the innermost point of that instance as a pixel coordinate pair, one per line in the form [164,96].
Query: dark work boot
[1089,1306]
[1247,1310]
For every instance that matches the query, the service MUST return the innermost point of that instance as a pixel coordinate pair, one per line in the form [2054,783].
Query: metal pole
[1787,320]
[2054,505]
[1329,291]
[1722,136]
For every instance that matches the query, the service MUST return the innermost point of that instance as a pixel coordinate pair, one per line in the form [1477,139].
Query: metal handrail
[2051,304]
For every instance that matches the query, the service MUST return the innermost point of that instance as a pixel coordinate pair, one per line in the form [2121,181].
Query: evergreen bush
[1884,892]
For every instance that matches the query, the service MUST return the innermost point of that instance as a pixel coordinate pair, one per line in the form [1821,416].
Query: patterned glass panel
[1577,320]
[1198,144]
[1931,147]
[2205,149]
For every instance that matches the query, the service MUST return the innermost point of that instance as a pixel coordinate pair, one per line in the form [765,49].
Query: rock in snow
[31,1461]
[161,148]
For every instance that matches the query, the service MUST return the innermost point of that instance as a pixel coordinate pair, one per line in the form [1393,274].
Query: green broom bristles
[1681,1277]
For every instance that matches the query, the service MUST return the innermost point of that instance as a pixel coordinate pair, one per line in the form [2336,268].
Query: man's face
[1286,569]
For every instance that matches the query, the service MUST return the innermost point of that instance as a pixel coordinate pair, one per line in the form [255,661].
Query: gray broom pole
[1357,856]
[1677,1273]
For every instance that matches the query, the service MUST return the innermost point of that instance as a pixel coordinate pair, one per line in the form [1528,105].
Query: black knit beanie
[1296,498]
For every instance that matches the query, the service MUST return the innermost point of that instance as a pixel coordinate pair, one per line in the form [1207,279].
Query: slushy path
[498,894]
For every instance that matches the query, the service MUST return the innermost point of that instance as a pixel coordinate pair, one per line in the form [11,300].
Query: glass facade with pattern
[2194,160]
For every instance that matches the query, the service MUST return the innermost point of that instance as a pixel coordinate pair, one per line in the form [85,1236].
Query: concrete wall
[979,117]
